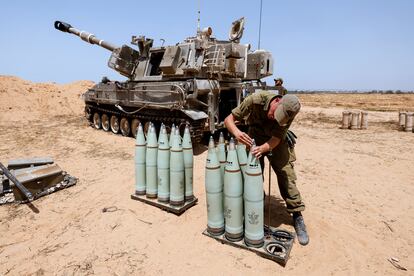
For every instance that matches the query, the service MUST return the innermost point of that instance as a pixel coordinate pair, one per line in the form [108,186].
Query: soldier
[269,117]
[279,86]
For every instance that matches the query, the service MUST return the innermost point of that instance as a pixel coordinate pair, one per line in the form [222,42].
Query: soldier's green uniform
[253,111]
[279,87]
[282,90]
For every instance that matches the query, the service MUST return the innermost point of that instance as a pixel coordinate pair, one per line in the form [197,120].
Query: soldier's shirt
[281,89]
[253,112]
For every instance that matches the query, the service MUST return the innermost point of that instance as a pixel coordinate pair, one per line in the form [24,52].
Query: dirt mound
[27,101]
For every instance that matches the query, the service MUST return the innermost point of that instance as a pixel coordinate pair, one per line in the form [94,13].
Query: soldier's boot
[300,228]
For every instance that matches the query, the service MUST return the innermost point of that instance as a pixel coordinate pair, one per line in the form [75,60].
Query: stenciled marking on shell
[253,218]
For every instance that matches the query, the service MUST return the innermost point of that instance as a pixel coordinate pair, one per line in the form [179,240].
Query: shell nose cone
[163,138]
[187,129]
[152,136]
[163,130]
[232,144]
[253,143]
[221,138]
[140,140]
[140,130]
[251,156]
[187,138]
[172,134]
[176,143]
[212,159]
[232,163]
[211,145]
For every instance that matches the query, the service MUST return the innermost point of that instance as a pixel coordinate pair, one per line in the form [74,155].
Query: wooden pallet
[277,244]
[178,210]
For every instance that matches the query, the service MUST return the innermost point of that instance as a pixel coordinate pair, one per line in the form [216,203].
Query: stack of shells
[234,190]
[406,121]
[354,119]
[164,168]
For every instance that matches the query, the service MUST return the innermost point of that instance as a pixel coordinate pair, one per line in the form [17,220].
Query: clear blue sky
[316,44]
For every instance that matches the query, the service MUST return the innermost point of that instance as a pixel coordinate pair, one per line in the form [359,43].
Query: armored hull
[120,107]
[197,81]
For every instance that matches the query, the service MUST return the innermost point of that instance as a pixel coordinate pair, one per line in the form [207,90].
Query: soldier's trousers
[282,160]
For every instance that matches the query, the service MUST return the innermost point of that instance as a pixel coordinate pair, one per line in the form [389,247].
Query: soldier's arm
[239,113]
[277,135]
[233,129]
[266,147]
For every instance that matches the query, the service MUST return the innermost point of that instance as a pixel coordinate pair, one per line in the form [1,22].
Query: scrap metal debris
[110,209]
[24,180]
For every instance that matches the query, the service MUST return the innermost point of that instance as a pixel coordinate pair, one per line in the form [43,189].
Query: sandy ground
[358,186]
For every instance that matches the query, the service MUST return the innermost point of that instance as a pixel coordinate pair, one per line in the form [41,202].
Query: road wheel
[88,113]
[125,127]
[134,127]
[105,122]
[97,123]
[114,124]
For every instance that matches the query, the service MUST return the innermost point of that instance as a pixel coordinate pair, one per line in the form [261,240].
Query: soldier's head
[284,109]
[278,81]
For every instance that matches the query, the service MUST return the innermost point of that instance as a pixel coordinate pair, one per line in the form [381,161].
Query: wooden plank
[178,210]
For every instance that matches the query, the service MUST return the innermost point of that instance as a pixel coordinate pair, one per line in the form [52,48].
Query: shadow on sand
[278,213]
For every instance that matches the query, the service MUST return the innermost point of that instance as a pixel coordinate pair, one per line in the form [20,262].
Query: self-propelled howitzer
[197,81]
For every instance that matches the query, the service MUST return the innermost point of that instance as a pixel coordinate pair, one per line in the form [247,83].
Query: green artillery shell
[163,165]
[177,173]
[172,133]
[253,203]
[214,192]
[221,153]
[140,150]
[233,192]
[188,164]
[151,162]
[242,156]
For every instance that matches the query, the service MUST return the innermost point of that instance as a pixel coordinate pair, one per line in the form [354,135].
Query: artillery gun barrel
[85,36]
[19,185]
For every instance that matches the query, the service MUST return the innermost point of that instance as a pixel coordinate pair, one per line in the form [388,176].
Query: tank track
[196,127]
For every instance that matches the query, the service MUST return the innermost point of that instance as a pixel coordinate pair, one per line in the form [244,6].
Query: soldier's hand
[244,138]
[258,151]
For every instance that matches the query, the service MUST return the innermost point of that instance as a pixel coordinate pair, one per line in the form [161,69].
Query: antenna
[198,19]
[260,23]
